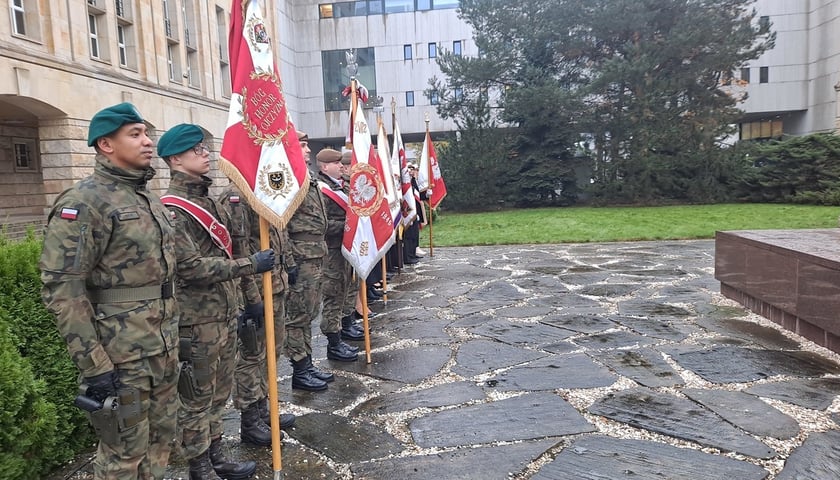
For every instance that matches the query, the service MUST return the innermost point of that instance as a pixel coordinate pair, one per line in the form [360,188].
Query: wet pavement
[578,361]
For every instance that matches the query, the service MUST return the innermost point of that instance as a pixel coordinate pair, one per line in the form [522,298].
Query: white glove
[429,191]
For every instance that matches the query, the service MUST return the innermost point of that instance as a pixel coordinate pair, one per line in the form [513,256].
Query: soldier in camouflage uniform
[210,307]
[337,270]
[250,391]
[306,228]
[108,267]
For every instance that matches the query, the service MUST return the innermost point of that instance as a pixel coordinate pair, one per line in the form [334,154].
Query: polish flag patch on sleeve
[69,213]
[234,199]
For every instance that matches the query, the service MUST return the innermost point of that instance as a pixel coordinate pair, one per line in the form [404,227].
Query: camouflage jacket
[245,231]
[308,225]
[213,296]
[109,232]
[336,216]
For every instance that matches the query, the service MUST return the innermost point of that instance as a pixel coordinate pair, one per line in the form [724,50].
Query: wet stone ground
[590,361]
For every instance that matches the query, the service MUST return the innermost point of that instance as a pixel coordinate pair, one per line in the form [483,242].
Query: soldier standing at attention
[250,390]
[306,228]
[108,267]
[209,306]
[337,270]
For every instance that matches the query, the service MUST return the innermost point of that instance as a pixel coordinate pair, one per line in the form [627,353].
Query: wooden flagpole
[431,186]
[399,262]
[354,103]
[271,357]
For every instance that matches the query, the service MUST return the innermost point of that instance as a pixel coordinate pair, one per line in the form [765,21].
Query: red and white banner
[408,203]
[388,175]
[369,231]
[428,173]
[260,151]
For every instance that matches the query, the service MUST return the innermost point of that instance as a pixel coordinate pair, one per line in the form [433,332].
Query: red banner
[369,231]
[260,152]
[428,174]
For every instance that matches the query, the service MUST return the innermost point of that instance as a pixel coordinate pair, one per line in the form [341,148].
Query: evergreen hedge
[39,427]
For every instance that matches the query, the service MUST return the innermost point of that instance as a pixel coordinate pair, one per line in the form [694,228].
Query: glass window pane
[456,47]
[397,6]
[375,7]
[335,76]
[432,50]
[439,4]
[406,52]
[409,99]
[424,4]
[778,131]
[326,10]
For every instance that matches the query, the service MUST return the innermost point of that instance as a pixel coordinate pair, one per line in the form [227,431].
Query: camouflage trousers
[143,450]
[335,285]
[212,358]
[302,307]
[251,381]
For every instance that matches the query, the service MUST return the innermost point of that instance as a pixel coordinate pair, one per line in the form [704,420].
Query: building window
[325,10]
[433,98]
[121,45]
[764,22]
[170,20]
[173,61]
[224,60]
[375,7]
[762,130]
[459,94]
[18,17]
[424,4]
[406,52]
[93,31]
[398,6]
[745,75]
[25,154]
[123,9]
[763,74]
[456,48]
[409,99]
[334,66]
[441,4]
[433,50]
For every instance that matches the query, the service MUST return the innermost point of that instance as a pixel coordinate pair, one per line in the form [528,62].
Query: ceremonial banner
[428,173]
[388,177]
[260,151]
[369,231]
[408,204]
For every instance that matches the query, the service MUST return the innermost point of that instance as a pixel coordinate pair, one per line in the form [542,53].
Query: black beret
[179,139]
[110,120]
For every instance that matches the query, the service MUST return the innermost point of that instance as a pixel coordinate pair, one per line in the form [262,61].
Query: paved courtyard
[577,361]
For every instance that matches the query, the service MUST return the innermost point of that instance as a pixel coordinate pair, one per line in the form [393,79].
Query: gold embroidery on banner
[364,248]
[275,183]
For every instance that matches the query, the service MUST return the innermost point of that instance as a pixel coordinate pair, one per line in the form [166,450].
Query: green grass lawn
[573,225]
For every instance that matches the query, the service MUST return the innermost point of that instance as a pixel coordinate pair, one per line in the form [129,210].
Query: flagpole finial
[427,119]
[393,106]
[352,66]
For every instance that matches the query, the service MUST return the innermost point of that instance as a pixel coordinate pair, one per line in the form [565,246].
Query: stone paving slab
[483,356]
[817,458]
[424,361]
[645,366]
[600,458]
[439,396]
[520,333]
[485,463]
[557,371]
[677,417]
[815,394]
[348,440]
[526,417]
[746,411]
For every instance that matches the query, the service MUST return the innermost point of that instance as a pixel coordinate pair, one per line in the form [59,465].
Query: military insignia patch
[69,213]
[233,199]
[275,180]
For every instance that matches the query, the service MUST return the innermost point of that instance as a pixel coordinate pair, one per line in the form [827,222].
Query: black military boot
[252,429]
[303,379]
[319,374]
[287,420]
[228,469]
[202,469]
[338,350]
[349,329]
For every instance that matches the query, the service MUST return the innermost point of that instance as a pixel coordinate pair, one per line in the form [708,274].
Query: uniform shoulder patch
[68,213]
[233,199]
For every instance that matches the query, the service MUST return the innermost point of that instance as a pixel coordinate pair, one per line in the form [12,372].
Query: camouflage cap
[347,157]
[328,155]
[179,139]
[110,120]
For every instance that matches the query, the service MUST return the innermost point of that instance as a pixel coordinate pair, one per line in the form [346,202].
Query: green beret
[328,155]
[347,157]
[179,139]
[109,120]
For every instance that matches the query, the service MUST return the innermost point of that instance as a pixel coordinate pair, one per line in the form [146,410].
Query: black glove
[255,311]
[263,260]
[100,387]
[292,273]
